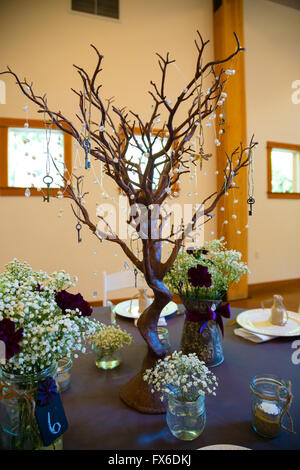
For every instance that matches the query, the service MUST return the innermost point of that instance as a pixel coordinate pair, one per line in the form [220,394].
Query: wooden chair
[120,280]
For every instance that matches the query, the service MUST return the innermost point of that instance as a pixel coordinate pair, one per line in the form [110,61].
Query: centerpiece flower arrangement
[185,380]
[40,323]
[202,278]
[107,343]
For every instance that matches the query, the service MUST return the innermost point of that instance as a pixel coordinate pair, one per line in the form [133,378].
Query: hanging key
[250,201]
[78,228]
[48,180]
[87,148]
[135,277]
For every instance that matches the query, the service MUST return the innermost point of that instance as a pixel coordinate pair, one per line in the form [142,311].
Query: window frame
[154,132]
[279,145]
[5,123]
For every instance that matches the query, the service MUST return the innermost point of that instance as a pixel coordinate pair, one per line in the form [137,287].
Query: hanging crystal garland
[86,132]
[25,141]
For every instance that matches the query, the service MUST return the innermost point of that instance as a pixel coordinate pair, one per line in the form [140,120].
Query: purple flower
[46,391]
[10,337]
[65,300]
[199,276]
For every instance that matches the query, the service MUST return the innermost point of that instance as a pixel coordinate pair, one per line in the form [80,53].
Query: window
[108,8]
[134,155]
[23,157]
[283,170]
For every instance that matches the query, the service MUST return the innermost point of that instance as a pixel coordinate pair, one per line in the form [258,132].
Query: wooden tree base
[137,394]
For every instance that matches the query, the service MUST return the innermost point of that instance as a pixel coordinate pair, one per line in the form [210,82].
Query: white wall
[272,36]
[41,40]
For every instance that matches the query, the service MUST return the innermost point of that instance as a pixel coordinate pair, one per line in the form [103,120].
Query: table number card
[51,420]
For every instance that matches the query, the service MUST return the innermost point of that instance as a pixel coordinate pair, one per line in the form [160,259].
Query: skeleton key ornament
[87,148]
[135,277]
[78,228]
[48,180]
[250,201]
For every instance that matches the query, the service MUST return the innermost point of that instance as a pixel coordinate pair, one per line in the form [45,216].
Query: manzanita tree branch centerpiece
[105,132]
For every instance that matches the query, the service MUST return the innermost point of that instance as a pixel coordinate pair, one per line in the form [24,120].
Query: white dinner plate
[258,321]
[224,447]
[130,309]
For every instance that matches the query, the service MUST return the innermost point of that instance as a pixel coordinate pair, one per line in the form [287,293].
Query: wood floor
[290,292]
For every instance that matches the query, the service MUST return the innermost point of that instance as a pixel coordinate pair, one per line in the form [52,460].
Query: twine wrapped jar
[19,428]
[270,400]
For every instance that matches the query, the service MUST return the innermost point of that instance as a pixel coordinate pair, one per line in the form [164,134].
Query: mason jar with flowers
[202,278]
[184,380]
[40,323]
[107,345]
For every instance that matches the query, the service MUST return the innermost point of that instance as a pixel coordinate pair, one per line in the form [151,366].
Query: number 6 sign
[51,420]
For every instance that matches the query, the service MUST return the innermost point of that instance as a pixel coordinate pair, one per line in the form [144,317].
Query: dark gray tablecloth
[98,419]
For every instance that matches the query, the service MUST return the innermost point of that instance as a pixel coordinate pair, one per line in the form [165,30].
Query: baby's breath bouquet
[185,380]
[40,323]
[106,343]
[183,376]
[206,273]
[202,278]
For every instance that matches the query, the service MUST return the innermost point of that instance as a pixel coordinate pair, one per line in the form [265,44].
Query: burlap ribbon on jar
[8,392]
[288,400]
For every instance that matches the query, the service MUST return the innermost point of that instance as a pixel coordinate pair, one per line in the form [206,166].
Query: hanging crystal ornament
[250,199]
[26,124]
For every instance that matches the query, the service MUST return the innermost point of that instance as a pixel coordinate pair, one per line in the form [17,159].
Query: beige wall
[272,35]
[41,40]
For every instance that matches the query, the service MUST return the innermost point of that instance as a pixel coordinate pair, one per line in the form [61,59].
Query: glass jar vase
[186,419]
[63,377]
[19,428]
[107,359]
[163,336]
[207,344]
[270,396]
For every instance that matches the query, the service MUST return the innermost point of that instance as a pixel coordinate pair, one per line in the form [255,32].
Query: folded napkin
[251,336]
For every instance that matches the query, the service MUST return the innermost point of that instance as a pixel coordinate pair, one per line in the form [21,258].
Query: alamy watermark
[2,92]
[2,352]
[156,222]
[296,94]
[296,353]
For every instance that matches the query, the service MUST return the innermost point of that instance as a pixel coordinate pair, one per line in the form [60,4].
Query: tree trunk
[137,393]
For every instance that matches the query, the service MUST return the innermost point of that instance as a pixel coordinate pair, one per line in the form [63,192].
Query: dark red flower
[196,251]
[10,337]
[199,276]
[46,391]
[65,300]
